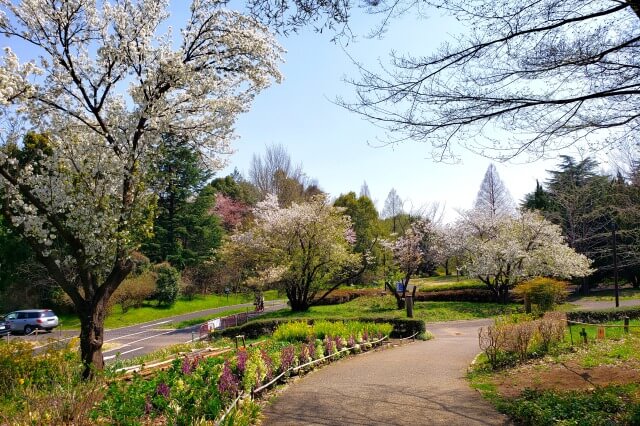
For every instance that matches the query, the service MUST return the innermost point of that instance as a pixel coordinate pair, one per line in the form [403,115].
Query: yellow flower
[21,381]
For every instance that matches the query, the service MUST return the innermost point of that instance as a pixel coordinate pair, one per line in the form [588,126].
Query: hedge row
[604,315]
[462,295]
[344,295]
[402,327]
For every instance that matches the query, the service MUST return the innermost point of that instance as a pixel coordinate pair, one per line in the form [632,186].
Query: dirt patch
[565,376]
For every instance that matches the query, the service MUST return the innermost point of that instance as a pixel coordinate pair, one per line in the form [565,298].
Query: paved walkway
[421,383]
[586,304]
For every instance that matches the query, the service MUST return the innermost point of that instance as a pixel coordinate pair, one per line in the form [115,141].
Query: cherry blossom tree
[304,249]
[232,212]
[505,251]
[418,243]
[106,87]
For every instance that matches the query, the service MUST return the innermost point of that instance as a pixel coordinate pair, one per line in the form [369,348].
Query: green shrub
[296,331]
[603,406]
[167,284]
[141,263]
[604,315]
[135,290]
[400,327]
[542,292]
[323,328]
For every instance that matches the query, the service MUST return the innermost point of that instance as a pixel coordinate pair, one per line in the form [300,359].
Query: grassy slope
[151,312]
[385,307]
[443,282]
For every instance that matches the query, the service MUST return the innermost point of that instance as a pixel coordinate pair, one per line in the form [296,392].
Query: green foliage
[185,392]
[604,315]
[167,284]
[367,227]
[237,188]
[133,291]
[44,388]
[543,292]
[395,327]
[296,331]
[602,406]
[185,231]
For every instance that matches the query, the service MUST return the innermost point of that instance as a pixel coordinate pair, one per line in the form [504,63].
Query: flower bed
[196,388]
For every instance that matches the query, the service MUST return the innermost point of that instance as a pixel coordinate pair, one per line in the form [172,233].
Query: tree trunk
[635,5]
[446,268]
[92,338]
[399,300]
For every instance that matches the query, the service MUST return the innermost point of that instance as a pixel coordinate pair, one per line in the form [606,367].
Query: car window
[11,316]
[48,314]
[22,315]
[34,314]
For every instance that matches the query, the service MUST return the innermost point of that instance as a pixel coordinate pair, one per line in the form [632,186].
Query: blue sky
[336,146]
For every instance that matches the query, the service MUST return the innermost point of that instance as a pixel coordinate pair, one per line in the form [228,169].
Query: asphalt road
[420,383]
[143,338]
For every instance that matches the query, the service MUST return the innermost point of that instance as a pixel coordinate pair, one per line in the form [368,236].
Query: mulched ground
[565,376]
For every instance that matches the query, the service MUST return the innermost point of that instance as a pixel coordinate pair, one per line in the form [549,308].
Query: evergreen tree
[185,231]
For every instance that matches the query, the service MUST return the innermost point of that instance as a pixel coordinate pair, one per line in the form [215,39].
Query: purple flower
[268,362]
[186,366]
[312,350]
[304,353]
[328,345]
[287,357]
[148,407]
[242,360]
[365,335]
[338,341]
[228,383]
[195,362]
[351,342]
[163,390]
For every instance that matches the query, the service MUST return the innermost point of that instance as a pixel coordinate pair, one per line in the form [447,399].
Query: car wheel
[28,329]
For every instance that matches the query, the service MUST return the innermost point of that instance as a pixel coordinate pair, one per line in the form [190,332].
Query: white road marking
[150,337]
[123,353]
[158,323]
[116,349]
[126,335]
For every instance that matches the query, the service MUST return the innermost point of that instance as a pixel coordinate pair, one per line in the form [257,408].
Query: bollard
[626,324]
[570,333]
[193,336]
[600,335]
[409,304]
[583,334]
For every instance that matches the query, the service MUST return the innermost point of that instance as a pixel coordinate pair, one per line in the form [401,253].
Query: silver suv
[31,319]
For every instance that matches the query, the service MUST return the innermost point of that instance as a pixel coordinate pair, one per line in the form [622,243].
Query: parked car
[4,327]
[31,319]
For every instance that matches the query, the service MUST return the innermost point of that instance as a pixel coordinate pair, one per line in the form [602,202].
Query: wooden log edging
[413,336]
[228,410]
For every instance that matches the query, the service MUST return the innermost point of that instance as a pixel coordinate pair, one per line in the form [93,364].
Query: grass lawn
[596,384]
[151,312]
[385,307]
[609,295]
[443,282]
